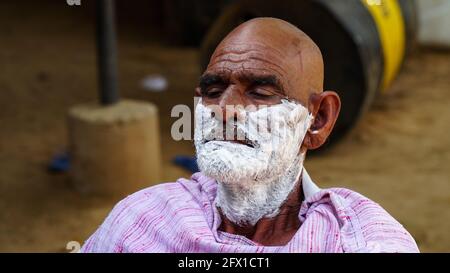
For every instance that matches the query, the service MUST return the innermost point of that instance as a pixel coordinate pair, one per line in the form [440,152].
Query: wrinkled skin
[259,63]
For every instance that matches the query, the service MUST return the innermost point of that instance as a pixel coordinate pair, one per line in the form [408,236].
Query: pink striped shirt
[181,217]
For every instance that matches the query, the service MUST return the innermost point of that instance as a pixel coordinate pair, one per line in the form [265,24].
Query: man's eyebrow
[211,79]
[264,80]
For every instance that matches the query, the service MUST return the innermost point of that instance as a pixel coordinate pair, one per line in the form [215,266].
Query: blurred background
[67,154]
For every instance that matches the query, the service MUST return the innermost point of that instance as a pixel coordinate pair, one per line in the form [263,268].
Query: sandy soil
[397,155]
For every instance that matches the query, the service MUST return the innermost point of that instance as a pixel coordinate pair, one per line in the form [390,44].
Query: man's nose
[231,103]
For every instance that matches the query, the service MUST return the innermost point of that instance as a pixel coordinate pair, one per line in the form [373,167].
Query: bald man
[261,108]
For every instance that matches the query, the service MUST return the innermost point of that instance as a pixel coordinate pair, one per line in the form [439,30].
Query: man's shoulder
[147,203]
[360,206]
[170,195]
[154,192]
[144,212]
[373,225]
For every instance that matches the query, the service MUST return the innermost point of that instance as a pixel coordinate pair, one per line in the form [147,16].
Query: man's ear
[197,92]
[325,108]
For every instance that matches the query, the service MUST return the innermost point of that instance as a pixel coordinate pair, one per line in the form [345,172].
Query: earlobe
[197,92]
[325,109]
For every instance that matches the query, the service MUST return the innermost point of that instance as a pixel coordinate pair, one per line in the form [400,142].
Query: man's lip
[242,142]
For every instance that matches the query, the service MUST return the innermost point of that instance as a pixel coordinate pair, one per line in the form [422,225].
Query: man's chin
[242,177]
[221,174]
[232,163]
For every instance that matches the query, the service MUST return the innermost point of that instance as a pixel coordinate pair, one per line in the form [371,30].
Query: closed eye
[261,94]
[212,92]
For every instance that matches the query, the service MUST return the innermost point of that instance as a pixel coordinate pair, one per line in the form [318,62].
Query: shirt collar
[309,187]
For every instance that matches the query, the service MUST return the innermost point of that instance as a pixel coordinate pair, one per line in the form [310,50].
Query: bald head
[271,51]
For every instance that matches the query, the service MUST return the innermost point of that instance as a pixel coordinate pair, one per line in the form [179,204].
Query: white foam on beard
[253,182]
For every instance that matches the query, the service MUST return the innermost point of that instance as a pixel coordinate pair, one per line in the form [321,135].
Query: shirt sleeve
[108,237]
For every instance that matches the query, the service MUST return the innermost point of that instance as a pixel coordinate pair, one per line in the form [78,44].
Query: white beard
[253,182]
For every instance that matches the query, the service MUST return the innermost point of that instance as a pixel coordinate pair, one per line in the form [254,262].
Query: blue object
[60,163]
[187,162]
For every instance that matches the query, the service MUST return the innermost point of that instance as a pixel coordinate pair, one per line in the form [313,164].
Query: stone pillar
[115,149]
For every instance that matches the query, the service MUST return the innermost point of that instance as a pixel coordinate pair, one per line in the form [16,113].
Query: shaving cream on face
[253,182]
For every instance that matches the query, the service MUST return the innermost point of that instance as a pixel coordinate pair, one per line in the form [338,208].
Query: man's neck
[275,231]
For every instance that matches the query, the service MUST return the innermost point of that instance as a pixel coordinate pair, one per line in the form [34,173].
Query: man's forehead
[248,59]
[250,51]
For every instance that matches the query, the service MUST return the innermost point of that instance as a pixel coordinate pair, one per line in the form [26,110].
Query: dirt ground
[398,155]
